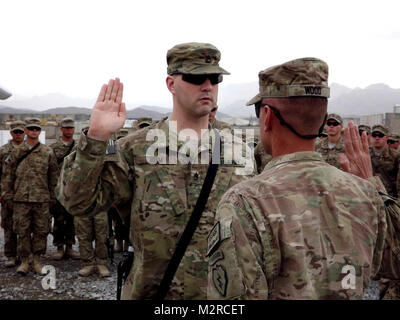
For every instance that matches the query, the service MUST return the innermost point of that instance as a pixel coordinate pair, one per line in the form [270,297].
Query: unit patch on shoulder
[220,279]
[213,238]
[218,255]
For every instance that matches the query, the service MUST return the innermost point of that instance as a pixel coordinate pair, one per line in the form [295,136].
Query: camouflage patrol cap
[17,125]
[364,127]
[67,123]
[395,137]
[194,58]
[305,77]
[122,133]
[380,128]
[32,122]
[335,117]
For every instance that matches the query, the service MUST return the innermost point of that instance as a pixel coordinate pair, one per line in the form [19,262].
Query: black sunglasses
[391,142]
[377,135]
[18,131]
[257,106]
[34,129]
[199,79]
[332,123]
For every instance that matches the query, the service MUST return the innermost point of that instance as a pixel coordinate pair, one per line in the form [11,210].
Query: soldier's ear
[170,81]
[268,118]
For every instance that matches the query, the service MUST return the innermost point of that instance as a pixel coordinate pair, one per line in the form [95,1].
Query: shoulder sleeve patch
[213,238]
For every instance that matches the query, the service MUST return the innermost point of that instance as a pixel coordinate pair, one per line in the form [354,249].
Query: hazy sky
[74,46]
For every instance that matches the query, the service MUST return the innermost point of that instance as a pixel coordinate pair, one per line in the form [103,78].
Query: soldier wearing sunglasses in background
[29,178]
[10,237]
[394,142]
[385,164]
[160,197]
[367,129]
[333,145]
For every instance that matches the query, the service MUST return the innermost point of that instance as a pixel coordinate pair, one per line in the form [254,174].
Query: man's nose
[206,86]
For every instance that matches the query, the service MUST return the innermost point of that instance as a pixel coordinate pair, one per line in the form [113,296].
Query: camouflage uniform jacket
[61,150]
[302,229]
[331,156]
[388,161]
[161,199]
[261,157]
[35,178]
[5,150]
[220,125]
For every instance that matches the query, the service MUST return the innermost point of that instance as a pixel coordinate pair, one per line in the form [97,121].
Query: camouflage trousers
[32,225]
[10,237]
[89,229]
[63,229]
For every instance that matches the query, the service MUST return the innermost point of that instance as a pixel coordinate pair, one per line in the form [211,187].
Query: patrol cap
[144,122]
[305,77]
[395,137]
[335,117]
[122,133]
[32,122]
[17,125]
[380,128]
[194,58]
[67,123]
[364,127]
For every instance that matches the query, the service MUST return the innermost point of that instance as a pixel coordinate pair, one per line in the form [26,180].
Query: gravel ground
[68,285]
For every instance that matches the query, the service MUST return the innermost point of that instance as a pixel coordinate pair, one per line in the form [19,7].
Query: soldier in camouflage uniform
[394,142]
[215,123]
[332,146]
[160,192]
[89,228]
[63,230]
[29,178]
[302,229]
[10,237]
[385,161]
[143,123]
[385,164]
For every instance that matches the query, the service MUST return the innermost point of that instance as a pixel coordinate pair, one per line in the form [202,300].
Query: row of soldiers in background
[29,172]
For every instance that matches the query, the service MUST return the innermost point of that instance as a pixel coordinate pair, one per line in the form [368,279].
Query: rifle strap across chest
[26,155]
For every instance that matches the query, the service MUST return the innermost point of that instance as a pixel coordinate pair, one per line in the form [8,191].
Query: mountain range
[374,99]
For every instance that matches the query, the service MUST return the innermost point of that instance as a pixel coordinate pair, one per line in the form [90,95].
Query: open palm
[109,112]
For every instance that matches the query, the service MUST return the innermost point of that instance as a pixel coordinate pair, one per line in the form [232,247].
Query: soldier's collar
[292,157]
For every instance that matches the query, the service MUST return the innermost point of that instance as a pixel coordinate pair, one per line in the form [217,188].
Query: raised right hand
[109,112]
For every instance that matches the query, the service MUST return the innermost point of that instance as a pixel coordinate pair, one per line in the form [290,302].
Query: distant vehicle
[4,94]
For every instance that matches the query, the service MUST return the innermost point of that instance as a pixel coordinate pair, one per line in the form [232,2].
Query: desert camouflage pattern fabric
[10,237]
[61,150]
[261,157]
[159,197]
[300,77]
[89,229]
[32,222]
[302,229]
[331,156]
[387,161]
[335,117]
[380,128]
[194,58]
[35,178]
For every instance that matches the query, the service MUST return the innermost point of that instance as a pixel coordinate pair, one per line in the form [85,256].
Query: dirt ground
[68,284]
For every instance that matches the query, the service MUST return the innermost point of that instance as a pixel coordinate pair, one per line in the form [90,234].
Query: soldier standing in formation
[394,142]
[29,178]
[215,123]
[161,197]
[333,145]
[302,229]
[10,237]
[63,230]
[385,161]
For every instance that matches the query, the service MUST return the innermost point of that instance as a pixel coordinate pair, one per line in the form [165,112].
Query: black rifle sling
[26,154]
[67,153]
[193,222]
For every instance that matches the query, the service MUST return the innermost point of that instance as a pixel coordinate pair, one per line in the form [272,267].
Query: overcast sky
[74,46]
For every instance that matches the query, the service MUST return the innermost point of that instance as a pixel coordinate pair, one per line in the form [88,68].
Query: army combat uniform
[30,187]
[63,229]
[302,229]
[10,237]
[330,152]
